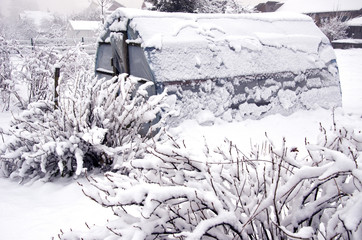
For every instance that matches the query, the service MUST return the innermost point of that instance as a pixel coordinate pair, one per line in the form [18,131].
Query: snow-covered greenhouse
[235,66]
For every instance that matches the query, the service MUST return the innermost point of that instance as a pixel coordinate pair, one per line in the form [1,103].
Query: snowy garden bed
[39,210]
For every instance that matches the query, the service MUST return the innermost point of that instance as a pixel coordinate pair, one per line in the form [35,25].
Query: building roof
[319,6]
[114,6]
[85,25]
[131,3]
[253,3]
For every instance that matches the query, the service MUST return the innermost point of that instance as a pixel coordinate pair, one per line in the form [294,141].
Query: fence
[88,44]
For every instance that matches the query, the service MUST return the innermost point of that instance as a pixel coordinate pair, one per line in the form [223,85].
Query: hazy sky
[13,7]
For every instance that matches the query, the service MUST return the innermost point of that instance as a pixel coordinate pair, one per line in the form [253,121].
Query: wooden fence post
[56,83]
[32,43]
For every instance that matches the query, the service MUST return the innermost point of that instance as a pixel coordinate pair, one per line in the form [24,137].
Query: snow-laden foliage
[220,6]
[222,193]
[174,5]
[88,14]
[7,85]
[334,28]
[97,124]
[36,71]
[5,71]
[197,6]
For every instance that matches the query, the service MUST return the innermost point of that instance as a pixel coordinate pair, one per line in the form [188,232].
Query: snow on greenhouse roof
[183,46]
[85,25]
[317,6]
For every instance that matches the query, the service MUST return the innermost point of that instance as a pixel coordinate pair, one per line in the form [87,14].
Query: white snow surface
[40,210]
[37,211]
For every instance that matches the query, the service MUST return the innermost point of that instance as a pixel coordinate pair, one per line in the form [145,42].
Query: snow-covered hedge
[222,193]
[97,124]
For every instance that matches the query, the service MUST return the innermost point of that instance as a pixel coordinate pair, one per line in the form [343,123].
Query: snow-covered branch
[175,193]
[98,124]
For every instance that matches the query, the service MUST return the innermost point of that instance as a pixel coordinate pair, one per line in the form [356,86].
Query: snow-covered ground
[40,210]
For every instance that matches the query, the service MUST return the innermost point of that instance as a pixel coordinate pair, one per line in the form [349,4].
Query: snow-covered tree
[103,4]
[54,28]
[174,5]
[198,6]
[222,193]
[89,14]
[220,6]
[98,123]
[22,29]
[334,28]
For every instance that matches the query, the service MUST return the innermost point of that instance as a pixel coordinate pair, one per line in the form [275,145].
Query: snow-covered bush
[37,69]
[37,72]
[334,28]
[5,72]
[28,76]
[98,124]
[222,193]
[75,66]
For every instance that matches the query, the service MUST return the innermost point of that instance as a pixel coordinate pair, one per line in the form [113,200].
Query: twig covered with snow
[222,193]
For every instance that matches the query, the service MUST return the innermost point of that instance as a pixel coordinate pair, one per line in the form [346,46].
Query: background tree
[334,28]
[189,6]
[88,14]
[198,6]
[220,6]
[103,4]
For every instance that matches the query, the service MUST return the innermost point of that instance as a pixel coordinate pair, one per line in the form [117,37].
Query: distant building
[139,4]
[83,29]
[114,6]
[322,10]
[270,6]
[355,28]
